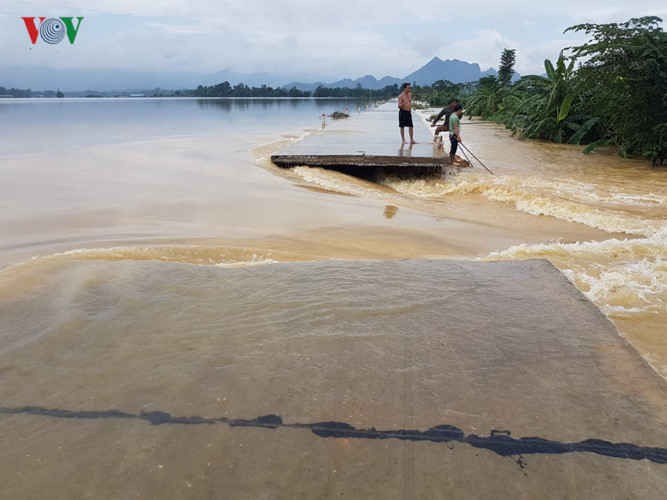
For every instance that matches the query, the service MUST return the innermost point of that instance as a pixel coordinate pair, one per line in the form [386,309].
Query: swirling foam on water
[622,276]
[625,278]
[566,200]
[335,181]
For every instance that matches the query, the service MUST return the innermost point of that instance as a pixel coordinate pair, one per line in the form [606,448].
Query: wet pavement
[408,379]
[373,132]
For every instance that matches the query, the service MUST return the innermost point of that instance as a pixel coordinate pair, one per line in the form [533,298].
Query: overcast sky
[303,38]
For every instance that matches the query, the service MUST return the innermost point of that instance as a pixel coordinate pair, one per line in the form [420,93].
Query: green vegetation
[442,92]
[506,69]
[358,92]
[623,81]
[15,92]
[225,89]
[612,90]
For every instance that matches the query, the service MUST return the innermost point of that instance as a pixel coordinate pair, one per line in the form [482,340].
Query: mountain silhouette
[436,69]
[105,80]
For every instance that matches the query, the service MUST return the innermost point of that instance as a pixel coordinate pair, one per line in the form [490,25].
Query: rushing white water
[564,199]
[622,276]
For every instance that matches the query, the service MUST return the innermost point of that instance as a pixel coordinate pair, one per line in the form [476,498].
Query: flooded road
[178,318]
[433,379]
[625,274]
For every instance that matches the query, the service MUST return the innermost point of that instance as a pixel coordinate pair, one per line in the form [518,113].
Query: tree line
[609,91]
[15,92]
[225,89]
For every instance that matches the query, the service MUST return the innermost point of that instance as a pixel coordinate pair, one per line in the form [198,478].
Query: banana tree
[553,116]
[486,99]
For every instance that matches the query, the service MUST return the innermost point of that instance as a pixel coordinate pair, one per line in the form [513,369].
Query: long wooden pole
[480,161]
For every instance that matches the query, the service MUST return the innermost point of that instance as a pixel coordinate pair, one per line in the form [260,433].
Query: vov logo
[53,29]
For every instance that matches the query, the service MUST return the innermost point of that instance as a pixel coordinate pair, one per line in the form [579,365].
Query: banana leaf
[594,145]
[583,130]
[565,108]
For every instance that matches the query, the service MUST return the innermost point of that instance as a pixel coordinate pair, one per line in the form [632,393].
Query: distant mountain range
[451,69]
[436,69]
[41,78]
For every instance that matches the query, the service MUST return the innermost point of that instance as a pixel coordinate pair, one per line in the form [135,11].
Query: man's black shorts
[404,118]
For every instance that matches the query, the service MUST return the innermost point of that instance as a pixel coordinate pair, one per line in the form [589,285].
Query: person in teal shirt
[455,131]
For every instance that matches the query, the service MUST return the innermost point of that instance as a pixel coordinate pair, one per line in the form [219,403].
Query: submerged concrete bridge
[368,145]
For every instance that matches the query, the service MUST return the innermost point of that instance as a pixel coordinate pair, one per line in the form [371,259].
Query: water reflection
[390,211]
[405,150]
[56,125]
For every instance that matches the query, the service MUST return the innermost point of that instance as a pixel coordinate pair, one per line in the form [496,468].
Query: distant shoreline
[140,98]
[184,98]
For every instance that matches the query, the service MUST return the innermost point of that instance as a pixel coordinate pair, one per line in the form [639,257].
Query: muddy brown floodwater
[180,319]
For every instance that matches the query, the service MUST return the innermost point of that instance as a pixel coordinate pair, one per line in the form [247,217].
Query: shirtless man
[405,114]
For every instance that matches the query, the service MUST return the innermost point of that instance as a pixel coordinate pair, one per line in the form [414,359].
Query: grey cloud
[303,37]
